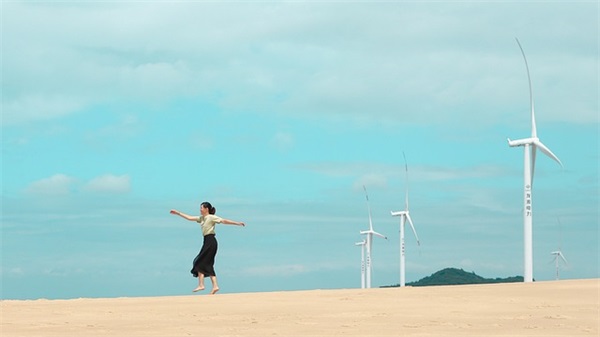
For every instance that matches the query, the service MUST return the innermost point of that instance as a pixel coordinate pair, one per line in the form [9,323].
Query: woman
[205,261]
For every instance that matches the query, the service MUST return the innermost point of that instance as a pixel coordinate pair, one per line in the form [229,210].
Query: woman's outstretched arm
[231,222]
[183,215]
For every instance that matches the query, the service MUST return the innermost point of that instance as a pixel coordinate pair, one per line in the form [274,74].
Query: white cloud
[411,61]
[370,180]
[201,141]
[276,270]
[126,128]
[347,169]
[39,107]
[378,173]
[154,80]
[56,185]
[64,185]
[109,183]
[283,141]
[13,272]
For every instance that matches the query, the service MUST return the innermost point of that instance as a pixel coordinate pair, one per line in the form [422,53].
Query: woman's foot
[214,290]
[198,288]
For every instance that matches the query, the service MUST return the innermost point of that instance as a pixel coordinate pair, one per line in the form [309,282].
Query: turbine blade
[380,235]
[413,228]
[547,151]
[406,179]
[562,257]
[533,128]
[533,153]
[369,208]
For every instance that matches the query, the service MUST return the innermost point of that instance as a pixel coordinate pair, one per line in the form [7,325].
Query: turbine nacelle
[521,142]
[399,213]
[412,226]
[558,254]
[373,233]
[534,141]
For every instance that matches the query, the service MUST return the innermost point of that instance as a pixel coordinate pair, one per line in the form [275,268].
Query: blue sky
[115,112]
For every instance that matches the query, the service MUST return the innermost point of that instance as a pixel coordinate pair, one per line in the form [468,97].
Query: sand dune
[553,308]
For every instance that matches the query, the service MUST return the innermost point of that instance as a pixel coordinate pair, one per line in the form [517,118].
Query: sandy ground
[556,308]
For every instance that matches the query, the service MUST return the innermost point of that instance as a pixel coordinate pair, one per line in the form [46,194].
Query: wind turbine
[404,215]
[362,262]
[532,143]
[369,241]
[558,253]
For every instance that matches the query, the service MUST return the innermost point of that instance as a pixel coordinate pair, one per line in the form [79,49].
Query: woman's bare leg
[215,285]
[200,283]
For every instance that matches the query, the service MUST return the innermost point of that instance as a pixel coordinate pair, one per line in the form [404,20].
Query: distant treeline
[452,276]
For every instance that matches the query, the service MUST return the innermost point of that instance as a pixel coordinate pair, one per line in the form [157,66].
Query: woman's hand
[175,212]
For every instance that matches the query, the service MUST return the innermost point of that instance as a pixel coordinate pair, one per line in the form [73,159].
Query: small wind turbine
[369,241]
[558,253]
[532,143]
[362,262]
[404,215]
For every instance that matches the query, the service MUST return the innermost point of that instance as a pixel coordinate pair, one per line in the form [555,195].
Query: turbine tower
[532,143]
[369,242]
[404,215]
[362,262]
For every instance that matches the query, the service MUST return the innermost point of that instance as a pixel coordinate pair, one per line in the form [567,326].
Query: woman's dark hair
[211,209]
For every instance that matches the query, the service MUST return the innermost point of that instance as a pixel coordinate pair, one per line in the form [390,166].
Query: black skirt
[204,263]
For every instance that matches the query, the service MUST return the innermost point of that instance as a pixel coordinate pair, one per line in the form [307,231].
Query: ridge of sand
[550,308]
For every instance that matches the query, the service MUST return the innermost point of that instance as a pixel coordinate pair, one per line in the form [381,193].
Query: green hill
[453,276]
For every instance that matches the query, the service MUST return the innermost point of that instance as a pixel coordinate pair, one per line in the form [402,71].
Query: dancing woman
[204,262]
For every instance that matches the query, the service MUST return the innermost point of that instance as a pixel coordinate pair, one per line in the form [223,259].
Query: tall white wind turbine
[404,216]
[369,242]
[362,262]
[532,143]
